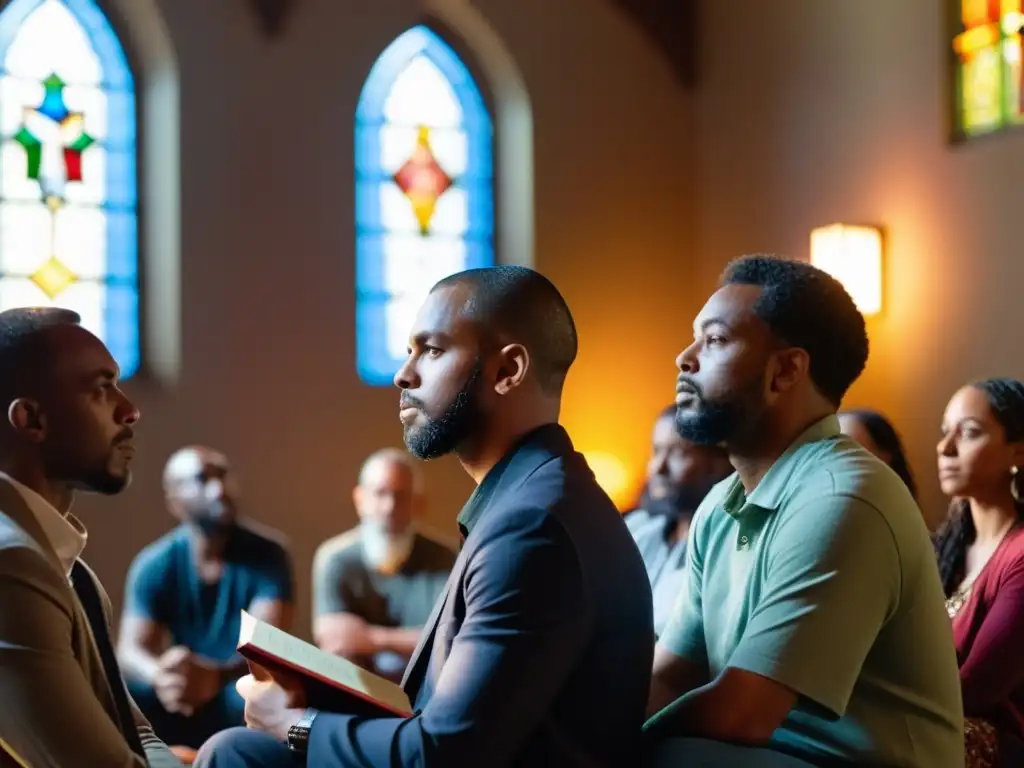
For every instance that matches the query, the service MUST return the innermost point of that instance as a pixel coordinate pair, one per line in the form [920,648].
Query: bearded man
[810,627]
[538,652]
[679,475]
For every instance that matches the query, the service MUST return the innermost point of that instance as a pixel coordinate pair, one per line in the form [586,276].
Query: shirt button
[744,540]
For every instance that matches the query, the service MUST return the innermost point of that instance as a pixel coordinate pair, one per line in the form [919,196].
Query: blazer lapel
[412,678]
[416,668]
[14,506]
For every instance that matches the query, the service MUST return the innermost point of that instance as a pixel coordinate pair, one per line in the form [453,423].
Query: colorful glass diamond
[53,278]
[422,180]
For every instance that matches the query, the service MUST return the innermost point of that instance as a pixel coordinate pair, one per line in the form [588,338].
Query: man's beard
[718,423]
[214,519]
[674,505]
[103,482]
[383,551]
[439,437]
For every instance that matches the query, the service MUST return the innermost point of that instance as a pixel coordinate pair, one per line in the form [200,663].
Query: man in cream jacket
[68,427]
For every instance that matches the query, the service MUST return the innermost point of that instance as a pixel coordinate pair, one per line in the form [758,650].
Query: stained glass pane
[424,192]
[68,226]
[988,51]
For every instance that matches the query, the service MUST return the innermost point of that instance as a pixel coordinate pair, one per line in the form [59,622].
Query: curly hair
[1006,399]
[888,439]
[808,308]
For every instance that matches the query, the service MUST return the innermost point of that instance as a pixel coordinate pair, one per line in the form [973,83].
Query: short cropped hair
[523,306]
[24,358]
[808,308]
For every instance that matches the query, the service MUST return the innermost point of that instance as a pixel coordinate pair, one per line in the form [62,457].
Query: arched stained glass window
[424,190]
[987,44]
[68,228]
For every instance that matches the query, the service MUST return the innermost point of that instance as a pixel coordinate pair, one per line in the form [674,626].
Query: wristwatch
[298,734]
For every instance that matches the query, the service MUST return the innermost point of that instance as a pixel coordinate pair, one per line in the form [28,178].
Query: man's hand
[269,706]
[354,637]
[185,681]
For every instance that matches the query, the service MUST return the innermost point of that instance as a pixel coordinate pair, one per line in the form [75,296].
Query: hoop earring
[1014,473]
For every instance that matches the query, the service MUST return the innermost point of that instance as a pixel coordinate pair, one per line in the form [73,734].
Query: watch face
[298,734]
[298,738]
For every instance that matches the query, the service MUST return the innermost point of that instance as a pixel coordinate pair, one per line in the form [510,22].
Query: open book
[331,683]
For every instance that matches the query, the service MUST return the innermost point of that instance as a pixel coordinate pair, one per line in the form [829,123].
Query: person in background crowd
[679,475]
[876,433]
[374,586]
[183,601]
[980,551]
[810,629]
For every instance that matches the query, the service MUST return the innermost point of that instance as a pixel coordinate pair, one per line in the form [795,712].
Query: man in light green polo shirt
[810,628]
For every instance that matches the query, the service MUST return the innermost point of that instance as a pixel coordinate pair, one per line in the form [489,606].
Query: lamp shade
[852,255]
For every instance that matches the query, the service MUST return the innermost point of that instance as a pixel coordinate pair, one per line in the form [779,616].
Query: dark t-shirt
[344,582]
[164,586]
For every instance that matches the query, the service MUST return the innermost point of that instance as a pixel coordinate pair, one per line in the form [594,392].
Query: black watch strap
[298,734]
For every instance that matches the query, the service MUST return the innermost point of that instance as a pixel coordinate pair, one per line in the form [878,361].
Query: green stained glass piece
[33,149]
[82,142]
[53,82]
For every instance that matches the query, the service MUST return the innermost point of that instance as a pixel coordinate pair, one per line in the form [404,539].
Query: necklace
[959,598]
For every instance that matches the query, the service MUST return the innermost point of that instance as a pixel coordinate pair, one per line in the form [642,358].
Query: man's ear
[27,419]
[515,363]
[791,366]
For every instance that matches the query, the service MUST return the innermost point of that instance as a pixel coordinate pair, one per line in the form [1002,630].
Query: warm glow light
[852,255]
[611,474]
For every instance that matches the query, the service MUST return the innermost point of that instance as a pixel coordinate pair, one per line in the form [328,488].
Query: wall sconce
[853,256]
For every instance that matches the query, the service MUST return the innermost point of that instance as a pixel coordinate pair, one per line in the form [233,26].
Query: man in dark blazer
[538,652]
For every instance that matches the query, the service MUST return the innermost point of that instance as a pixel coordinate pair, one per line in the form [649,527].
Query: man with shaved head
[374,586]
[184,597]
[538,652]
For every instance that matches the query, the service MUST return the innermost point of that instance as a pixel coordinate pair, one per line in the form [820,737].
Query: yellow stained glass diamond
[53,278]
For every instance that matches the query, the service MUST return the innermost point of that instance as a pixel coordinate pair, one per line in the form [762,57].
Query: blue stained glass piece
[53,105]
[374,364]
[120,293]
[373,361]
[370,266]
[121,186]
[120,120]
[121,318]
[122,247]
[368,213]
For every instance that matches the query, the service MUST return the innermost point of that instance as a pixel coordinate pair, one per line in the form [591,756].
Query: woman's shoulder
[1009,558]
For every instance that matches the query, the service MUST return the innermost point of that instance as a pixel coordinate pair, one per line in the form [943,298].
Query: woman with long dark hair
[980,551]
[876,433]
